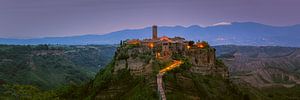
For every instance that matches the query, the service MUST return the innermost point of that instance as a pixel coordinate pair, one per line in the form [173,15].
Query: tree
[191,43]
[121,43]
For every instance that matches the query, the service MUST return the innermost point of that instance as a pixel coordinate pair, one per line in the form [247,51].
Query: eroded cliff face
[139,60]
[262,66]
[135,59]
[204,62]
[134,71]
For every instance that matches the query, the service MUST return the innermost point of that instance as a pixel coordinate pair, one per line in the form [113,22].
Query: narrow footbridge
[161,91]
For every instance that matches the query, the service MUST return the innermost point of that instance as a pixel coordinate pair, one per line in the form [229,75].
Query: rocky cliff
[139,60]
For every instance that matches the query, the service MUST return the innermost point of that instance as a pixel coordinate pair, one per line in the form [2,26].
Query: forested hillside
[50,66]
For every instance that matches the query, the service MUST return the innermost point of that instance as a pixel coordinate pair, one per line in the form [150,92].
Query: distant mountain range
[238,33]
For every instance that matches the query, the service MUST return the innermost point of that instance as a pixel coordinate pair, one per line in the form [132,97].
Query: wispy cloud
[221,23]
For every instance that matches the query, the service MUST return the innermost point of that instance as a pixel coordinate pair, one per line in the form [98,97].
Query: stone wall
[201,57]
[204,62]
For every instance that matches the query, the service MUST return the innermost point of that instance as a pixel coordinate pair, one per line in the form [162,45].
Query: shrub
[123,55]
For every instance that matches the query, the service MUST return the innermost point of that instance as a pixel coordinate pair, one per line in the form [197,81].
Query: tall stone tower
[154,32]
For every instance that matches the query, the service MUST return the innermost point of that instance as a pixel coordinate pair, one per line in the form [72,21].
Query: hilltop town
[159,67]
[160,55]
[201,56]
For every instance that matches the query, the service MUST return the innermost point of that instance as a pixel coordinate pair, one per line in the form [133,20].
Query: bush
[219,63]
[130,46]
[26,92]
[123,56]
[186,64]
[177,56]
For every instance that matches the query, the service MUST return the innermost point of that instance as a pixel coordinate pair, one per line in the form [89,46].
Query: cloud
[221,23]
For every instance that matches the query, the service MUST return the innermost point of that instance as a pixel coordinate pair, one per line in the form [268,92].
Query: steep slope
[132,75]
[262,66]
[49,66]
[121,80]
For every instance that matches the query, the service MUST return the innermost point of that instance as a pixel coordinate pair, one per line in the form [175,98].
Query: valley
[149,50]
[265,72]
[51,66]
[262,66]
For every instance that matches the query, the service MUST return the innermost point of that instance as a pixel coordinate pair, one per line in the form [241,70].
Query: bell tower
[154,32]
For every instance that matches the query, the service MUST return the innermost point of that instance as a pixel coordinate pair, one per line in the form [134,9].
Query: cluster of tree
[78,64]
